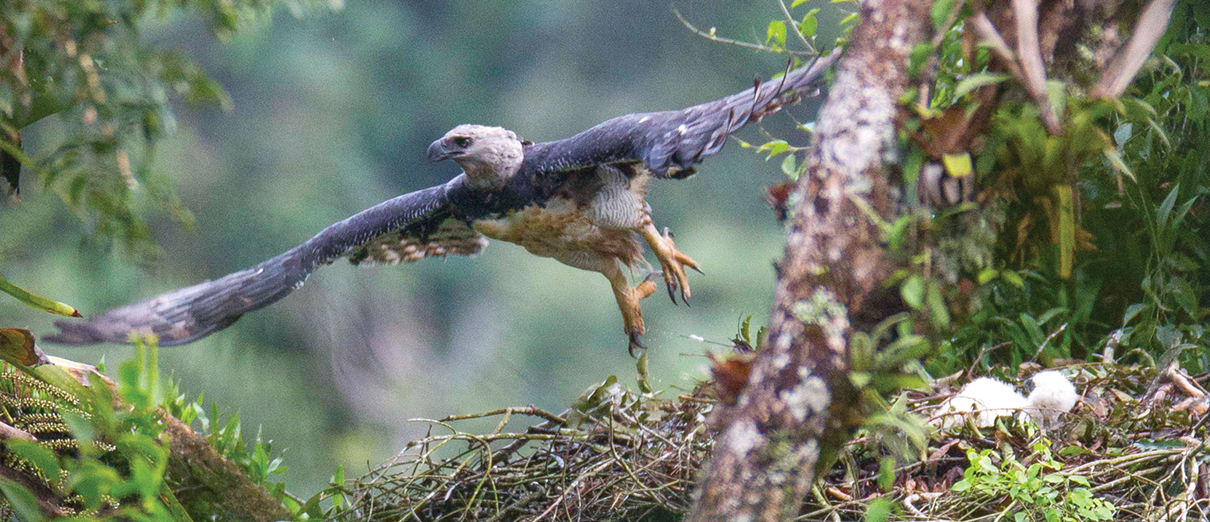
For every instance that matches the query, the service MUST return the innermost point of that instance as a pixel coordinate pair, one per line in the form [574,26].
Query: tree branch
[1029,57]
[1127,62]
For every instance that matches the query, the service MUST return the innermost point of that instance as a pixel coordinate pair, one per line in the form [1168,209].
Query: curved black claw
[670,282]
[635,342]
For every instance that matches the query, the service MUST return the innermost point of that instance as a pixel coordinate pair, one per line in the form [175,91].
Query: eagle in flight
[579,200]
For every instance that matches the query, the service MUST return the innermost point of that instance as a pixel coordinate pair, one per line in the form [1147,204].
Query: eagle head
[489,155]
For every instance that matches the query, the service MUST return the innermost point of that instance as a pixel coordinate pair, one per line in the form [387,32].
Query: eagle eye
[462,142]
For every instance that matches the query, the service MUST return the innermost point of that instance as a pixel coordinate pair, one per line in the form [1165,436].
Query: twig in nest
[1178,378]
[1126,63]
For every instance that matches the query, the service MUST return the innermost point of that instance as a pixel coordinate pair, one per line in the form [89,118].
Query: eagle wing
[407,228]
[672,142]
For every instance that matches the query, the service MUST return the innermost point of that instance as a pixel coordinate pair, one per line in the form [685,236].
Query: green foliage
[1036,489]
[36,301]
[99,460]
[1091,239]
[106,462]
[85,62]
[227,438]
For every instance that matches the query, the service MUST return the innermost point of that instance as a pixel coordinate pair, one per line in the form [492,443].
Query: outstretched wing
[407,228]
[672,141]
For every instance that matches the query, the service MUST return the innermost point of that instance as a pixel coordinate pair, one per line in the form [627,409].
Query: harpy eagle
[579,200]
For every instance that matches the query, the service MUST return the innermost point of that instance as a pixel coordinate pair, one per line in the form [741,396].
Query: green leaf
[775,147]
[1013,278]
[897,232]
[797,3]
[912,291]
[1036,337]
[40,456]
[957,165]
[1184,294]
[976,81]
[776,32]
[1056,93]
[918,57]
[1065,208]
[1118,164]
[1159,131]
[338,480]
[1122,133]
[17,344]
[940,13]
[644,374]
[938,313]
[960,486]
[1165,207]
[809,23]
[886,473]
[24,503]
[37,301]
[789,166]
[1131,312]
[879,510]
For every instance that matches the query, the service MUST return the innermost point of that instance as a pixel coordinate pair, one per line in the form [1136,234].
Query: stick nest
[1135,442]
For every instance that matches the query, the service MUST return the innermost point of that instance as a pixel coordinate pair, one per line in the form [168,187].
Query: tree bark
[798,405]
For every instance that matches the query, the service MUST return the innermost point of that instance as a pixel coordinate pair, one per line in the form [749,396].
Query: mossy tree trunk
[796,405]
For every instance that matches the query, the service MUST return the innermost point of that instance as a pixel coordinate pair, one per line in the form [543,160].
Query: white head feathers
[489,155]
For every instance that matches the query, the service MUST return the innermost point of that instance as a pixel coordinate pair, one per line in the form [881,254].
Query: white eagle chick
[1050,396]
[987,397]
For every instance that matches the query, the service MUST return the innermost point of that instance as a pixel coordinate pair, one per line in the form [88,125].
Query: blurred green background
[333,112]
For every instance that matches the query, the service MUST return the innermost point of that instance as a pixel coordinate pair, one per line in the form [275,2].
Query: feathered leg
[628,302]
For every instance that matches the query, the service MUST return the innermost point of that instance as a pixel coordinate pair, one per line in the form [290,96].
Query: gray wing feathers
[671,141]
[190,313]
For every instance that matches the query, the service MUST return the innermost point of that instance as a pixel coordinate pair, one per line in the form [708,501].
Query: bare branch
[989,35]
[794,27]
[1127,62]
[747,45]
[1029,57]
[9,432]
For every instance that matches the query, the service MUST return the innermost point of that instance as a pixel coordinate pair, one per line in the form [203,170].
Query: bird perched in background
[986,398]
[1050,396]
[579,200]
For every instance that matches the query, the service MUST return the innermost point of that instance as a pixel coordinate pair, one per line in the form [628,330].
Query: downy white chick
[988,397]
[1050,396]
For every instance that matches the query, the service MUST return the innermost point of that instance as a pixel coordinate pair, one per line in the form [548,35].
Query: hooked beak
[437,151]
